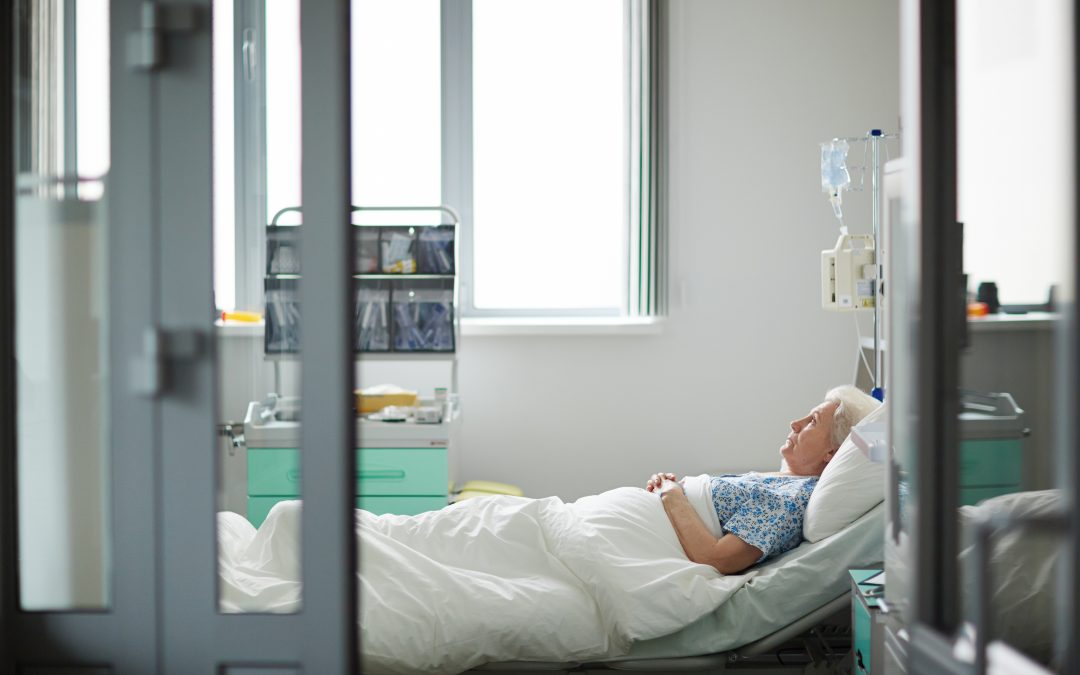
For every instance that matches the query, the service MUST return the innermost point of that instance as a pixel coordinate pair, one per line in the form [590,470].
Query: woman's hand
[657,480]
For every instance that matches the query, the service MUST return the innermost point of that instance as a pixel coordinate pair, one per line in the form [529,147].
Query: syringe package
[372,318]
[282,333]
[398,250]
[435,250]
[423,319]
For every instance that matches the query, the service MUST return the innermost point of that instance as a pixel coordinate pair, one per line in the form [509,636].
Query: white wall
[754,87]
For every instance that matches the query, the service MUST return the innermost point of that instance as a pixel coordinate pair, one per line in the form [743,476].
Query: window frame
[645,243]
[249,139]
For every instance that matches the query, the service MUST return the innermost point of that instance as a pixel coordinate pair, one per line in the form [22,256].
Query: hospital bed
[789,596]
[602,578]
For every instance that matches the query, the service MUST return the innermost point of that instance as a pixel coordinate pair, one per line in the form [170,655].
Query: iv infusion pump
[848,273]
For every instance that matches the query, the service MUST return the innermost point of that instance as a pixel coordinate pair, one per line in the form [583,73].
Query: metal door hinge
[145,47]
[148,374]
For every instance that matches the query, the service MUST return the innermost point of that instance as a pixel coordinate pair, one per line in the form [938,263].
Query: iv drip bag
[834,174]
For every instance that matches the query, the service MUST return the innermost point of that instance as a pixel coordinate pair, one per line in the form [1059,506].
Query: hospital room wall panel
[753,88]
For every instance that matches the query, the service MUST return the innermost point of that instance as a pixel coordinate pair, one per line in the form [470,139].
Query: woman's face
[808,447]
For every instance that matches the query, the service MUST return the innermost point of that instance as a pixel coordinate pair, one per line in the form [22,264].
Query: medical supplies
[428,414]
[367,250]
[282,250]
[415,316]
[834,174]
[423,319]
[372,318]
[435,250]
[282,333]
[849,273]
[379,250]
[398,246]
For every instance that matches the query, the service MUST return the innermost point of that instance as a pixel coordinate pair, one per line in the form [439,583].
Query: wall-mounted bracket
[145,47]
[147,375]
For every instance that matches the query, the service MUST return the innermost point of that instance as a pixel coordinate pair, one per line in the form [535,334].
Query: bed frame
[818,642]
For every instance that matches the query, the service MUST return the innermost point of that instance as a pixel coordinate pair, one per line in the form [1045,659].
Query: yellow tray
[371,404]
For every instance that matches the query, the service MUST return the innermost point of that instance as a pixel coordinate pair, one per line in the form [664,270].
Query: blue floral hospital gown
[764,511]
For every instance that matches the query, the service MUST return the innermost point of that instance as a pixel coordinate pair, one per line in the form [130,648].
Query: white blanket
[492,579]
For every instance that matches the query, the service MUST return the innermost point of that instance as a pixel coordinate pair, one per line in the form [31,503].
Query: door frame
[163,613]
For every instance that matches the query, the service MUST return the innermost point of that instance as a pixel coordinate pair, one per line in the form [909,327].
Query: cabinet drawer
[990,462]
[259,507]
[380,471]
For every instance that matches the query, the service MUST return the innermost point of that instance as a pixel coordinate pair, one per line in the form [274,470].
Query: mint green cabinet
[866,623]
[404,481]
[989,468]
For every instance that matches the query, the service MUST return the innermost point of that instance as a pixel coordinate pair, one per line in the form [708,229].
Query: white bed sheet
[784,589]
[492,579]
[444,591]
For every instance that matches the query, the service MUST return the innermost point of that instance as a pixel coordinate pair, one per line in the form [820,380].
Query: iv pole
[874,137]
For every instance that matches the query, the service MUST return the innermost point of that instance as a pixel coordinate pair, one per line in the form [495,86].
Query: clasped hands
[662,483]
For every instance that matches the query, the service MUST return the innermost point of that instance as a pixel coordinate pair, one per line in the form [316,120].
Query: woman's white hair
[854,404]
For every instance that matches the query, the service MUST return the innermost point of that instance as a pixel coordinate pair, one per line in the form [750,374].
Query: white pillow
[849,486]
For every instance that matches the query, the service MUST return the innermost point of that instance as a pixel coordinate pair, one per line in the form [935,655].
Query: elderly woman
[761,514]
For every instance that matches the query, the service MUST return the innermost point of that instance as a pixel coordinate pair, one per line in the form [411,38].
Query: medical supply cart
[406,296]
[406,290]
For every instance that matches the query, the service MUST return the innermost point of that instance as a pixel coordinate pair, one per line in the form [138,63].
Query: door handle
[380,474]
[147,373]
[293,475]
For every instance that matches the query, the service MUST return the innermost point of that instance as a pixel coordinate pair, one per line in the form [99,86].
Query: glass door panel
[1014,108]
[258,335]
[62,309]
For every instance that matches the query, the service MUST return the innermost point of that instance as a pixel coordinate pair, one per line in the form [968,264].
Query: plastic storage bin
[282,250]
[367,250]
[423,317]
[397,246]
[282,331]
[435,250]
[373,316]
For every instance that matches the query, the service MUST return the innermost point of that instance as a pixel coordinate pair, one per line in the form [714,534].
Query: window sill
[536,326]
[238,328]
[565,326]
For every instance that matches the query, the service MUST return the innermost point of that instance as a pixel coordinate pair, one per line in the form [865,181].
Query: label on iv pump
[865,289]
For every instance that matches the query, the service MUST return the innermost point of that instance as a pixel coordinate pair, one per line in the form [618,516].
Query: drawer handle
[293,475]
[381,474]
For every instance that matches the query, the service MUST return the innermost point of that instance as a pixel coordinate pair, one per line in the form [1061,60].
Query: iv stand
[874,137]
[878,391]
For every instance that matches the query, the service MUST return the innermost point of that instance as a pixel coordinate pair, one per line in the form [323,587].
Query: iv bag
[834,173]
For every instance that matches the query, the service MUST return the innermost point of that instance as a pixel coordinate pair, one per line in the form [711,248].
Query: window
[1011,91]
[548,154]
[550,179]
